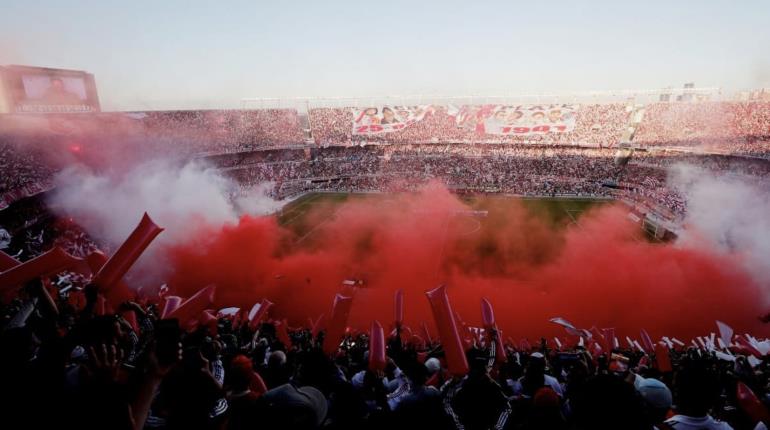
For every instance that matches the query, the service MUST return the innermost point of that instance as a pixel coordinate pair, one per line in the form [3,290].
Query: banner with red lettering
[386,119]
[519,120]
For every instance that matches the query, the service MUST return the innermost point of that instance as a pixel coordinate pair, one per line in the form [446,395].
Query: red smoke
[598,273]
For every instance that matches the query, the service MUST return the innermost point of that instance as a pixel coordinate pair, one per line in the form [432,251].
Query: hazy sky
[187,54]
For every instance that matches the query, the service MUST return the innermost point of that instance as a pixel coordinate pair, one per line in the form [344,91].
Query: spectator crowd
[741,128]
[72,360]
[318,151]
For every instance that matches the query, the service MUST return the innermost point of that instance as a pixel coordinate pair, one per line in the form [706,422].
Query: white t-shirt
[683,422]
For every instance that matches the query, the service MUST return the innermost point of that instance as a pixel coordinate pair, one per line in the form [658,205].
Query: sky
[187,54]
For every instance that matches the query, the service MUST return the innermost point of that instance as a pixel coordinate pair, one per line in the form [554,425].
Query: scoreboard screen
[42,90]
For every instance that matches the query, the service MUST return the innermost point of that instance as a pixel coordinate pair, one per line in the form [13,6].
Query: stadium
[587,260]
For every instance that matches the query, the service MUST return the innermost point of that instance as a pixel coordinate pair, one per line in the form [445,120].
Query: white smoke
[729,211]
[178,197]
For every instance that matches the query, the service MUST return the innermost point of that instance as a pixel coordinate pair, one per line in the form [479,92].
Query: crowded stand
[741,128]
[521,170]
[74,352]
[225,131]
[25,171]
[596,124]
[450,143]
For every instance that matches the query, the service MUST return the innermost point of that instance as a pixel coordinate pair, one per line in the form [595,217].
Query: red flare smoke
[598,273]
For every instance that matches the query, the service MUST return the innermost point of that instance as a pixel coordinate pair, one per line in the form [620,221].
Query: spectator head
[478,361]
[546,398]
[657,397]
[241,373]
[607,402]
[276,359]
[695,389]
[433,365]
[296,407]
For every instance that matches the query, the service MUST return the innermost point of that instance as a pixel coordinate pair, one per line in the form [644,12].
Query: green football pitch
[558,212]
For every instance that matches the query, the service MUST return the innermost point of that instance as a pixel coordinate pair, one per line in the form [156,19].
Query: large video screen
[40,90]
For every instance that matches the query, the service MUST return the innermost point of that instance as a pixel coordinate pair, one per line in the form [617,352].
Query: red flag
[743,344]
[487,314]
[209,321]
[258,313]
[337,323]
[191,308]
[647,344]
[172,302]
[398,311]
[751,405]
[725,333]
[426,333]
[662,358]
[568,326]
[377,359]
[282,332]
[125,257]
[457,363]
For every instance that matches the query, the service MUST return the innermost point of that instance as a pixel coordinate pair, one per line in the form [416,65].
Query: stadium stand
[270,145]
[265,375]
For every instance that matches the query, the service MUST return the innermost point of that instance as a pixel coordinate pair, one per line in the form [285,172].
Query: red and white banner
[386,119]
[516,120]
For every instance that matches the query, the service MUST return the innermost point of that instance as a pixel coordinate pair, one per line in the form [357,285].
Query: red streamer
[125,257]
[457,363]
[337,323]
[398,311]
[662,358]
[119,292]
[282,331]
[7,262]
[377,359]
[48,263]
[210,321]
[487,314]
[751,405]
[647,344]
